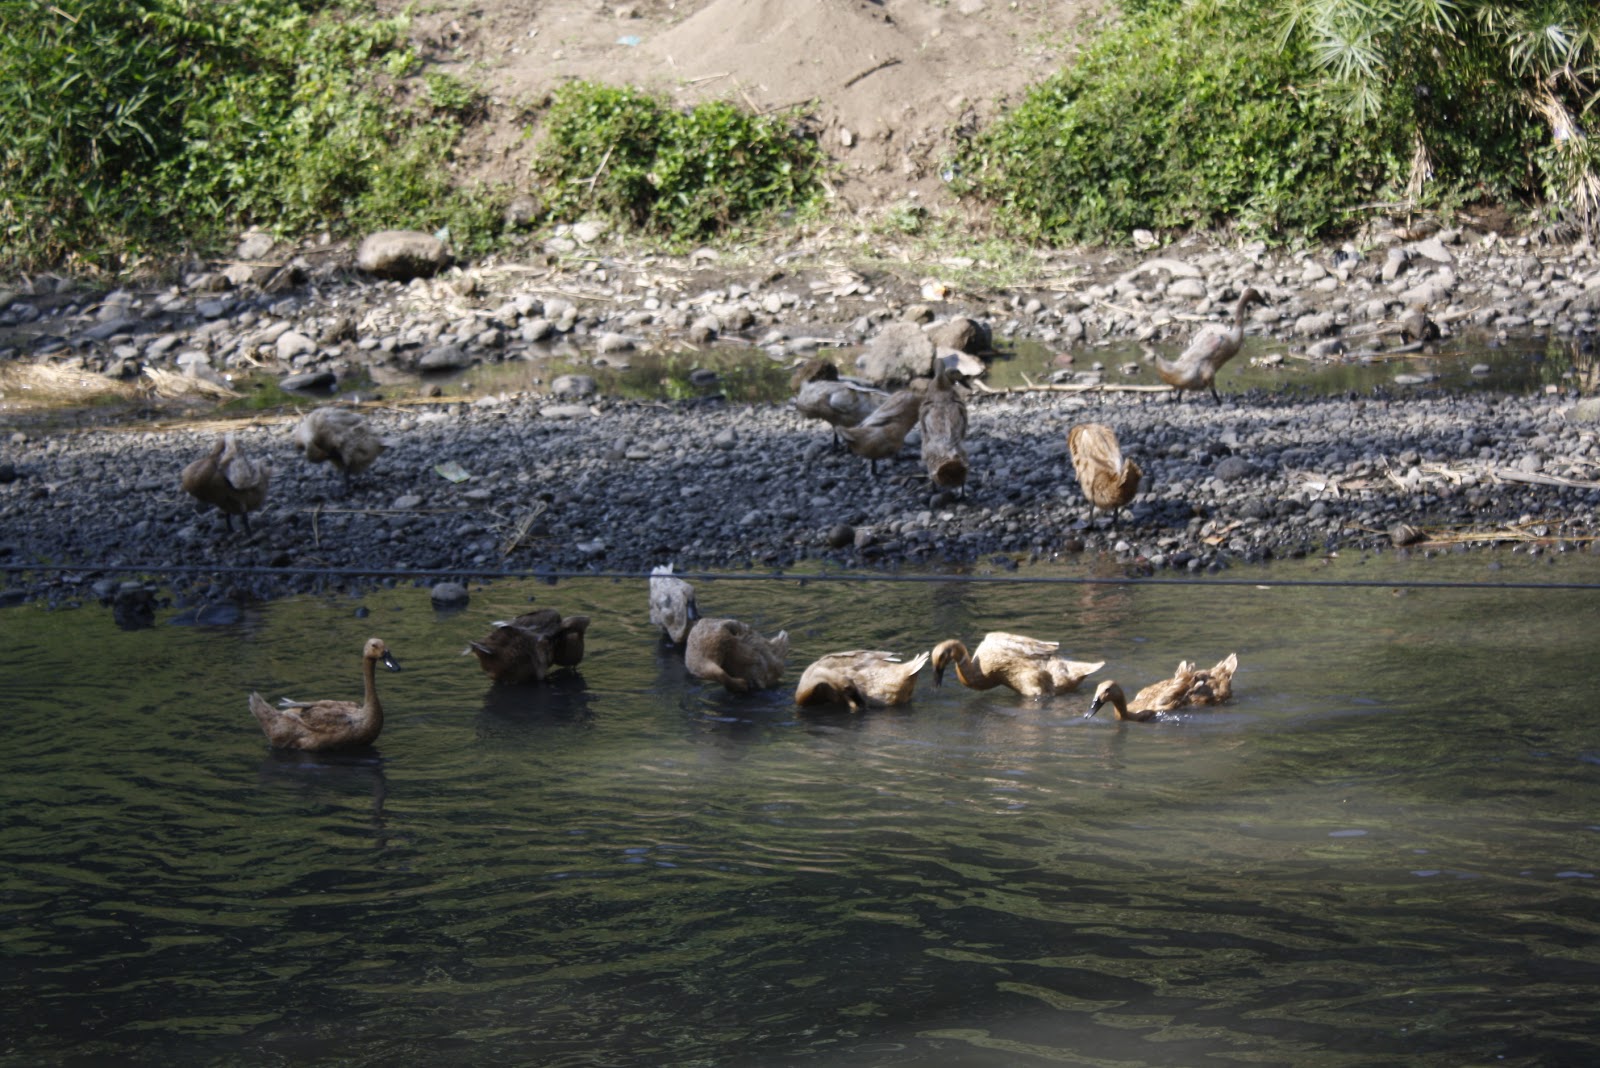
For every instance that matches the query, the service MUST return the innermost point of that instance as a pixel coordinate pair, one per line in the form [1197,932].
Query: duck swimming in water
[526,648]
[729,652]
[861,678]
[1188,687]
[1029,666]
[672,604]
[317,725]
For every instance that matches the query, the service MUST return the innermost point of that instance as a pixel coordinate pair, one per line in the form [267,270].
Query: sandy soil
[887,82]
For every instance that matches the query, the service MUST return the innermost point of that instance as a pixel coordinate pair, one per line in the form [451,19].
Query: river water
[1383,851]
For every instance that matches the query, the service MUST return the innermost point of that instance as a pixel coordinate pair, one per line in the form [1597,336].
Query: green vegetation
[1285,116]
[138,126]
[682,174]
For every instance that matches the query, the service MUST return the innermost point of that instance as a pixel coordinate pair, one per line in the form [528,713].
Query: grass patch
[681,174]
[137,127]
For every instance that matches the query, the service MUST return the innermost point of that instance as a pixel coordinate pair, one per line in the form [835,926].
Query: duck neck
[370,705]
[970,673]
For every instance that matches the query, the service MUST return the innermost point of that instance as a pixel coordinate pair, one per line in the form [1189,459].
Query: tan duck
[526,648]
[1107,479]
[1188,687]
[881,434]
[341,437]
[329,724]
[1197,366]
[729,652]
[672,604]
[821,394]
[1027,665]
[861,678]
[943,423]
[226,479]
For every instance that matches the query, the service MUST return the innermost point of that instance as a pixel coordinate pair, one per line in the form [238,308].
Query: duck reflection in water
[329,777]
[522,713]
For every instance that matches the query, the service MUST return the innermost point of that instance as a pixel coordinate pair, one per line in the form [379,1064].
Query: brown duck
[943,423]
[1107,479]
[1197,366]
[329,724]
[1188,687]
[226,479]
[821,394]
[1029,666]
[881,434]
[340,437]
[526,648]
[861,678]
[729,652]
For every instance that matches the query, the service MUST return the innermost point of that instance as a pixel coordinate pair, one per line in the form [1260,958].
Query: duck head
[1106,692]
[376,650]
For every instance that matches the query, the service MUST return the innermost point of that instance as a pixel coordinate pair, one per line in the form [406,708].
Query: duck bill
[393,665]
[1094,706]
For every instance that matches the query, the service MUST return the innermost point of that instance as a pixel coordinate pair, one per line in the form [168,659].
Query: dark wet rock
[445,358]
[310,380]
[1232,469]
[402,255]
[574,386]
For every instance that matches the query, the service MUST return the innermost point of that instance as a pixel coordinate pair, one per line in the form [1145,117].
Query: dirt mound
[888,81]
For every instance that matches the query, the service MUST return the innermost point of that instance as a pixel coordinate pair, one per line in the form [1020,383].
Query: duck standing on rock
[1187,687]
[881,434]
[672,604]
[526,648]
[228,480]
[1107,479]
[821,394]
[943,423]
[861,678]
[1029,666]
[729,652]
[317,725]
[1213,346]
[341,437]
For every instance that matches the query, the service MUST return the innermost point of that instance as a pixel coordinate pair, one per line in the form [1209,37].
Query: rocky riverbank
[587,482]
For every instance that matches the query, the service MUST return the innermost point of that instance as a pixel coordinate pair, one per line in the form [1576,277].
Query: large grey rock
[900,352]
[292,343]
[574,386]
[962,334]
[444,358]
[402,254]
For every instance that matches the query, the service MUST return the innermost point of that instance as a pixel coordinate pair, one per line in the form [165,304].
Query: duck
[1197,366]
[729,652]
[226,479]
[317,725]
[525,648]
[881,434]
[861,678]
[1029,666]
[341,437]
[672,604]
[1107,479]
[821,394]
[943,423]
[1188,687]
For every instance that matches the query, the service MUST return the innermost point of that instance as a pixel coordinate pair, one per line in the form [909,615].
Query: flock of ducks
[735,656]
[870,422]
[236,485]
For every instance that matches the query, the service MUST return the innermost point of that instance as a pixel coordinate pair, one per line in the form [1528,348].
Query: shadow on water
[1383,851]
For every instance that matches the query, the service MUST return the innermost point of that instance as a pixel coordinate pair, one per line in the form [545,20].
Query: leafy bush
[1188,116]
[134,125]
[687,174]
